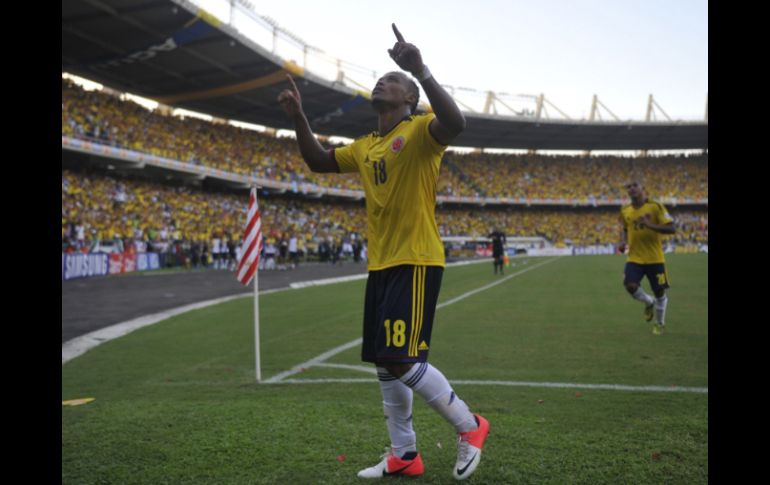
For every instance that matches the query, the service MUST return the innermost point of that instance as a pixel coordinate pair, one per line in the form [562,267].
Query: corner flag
[247,266]
[252,242]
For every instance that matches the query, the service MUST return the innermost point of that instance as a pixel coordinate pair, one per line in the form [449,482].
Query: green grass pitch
[177,402]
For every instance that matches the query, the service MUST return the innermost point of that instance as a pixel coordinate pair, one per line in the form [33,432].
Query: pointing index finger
[291,81]
[398,34]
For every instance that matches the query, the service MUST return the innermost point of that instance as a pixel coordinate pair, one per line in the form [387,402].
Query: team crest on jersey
[397,144]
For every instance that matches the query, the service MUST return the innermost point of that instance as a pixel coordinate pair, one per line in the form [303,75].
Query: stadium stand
[97,206]
[181,220]
[103,117]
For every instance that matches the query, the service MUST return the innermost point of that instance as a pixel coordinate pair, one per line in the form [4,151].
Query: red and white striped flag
[252,242]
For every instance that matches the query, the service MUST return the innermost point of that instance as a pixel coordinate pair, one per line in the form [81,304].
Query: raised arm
[449,121]
[315,155]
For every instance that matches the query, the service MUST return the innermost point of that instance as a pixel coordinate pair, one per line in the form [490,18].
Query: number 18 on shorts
[398,313]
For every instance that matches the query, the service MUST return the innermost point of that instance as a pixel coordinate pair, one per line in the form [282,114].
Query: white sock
[640,295]
[397,404]
[431,385]
[660,309]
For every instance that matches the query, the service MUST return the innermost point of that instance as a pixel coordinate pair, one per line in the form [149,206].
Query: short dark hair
[409,84]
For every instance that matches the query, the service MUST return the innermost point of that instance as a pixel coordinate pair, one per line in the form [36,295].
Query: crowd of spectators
[149,215]
[560,227]
[104,117]
[585,179]
[96,206]
[143,214]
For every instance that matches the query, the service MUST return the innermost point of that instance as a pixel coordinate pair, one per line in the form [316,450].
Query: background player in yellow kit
[399,168]
[644,221]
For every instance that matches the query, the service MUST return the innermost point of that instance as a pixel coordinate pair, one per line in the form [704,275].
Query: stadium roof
[176,54]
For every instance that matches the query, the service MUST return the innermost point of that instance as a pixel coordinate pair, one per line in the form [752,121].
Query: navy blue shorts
[398,313]
[656,274]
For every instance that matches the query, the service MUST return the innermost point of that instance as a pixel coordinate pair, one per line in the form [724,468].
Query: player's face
[634,189]
[390,89]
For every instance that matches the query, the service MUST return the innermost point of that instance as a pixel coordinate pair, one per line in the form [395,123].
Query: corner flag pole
[248,264]
[256,325]
[258,365]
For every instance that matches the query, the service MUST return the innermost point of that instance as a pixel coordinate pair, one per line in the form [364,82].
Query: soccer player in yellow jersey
[644,221]
[399,167]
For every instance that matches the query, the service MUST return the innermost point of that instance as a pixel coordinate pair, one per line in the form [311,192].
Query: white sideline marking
[500,281]
[342,279]
[331,353]
[360,368]
[557,385]
[79,345]
[315,360]
[328,281]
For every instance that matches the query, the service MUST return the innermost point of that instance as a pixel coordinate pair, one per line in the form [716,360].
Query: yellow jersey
[399,171]
[644,244]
